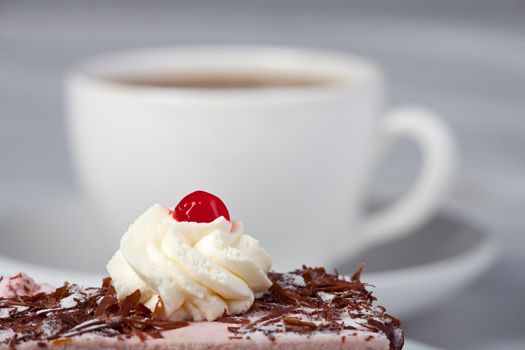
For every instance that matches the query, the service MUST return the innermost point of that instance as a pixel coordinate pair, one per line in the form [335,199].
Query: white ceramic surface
[408,280]
[295,158]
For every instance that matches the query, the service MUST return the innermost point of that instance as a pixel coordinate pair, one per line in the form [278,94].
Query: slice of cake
[304,309]
[189,278]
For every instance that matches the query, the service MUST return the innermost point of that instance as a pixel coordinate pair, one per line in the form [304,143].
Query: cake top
[305,301]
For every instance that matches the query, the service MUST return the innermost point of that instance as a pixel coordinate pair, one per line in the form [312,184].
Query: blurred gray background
[464,59]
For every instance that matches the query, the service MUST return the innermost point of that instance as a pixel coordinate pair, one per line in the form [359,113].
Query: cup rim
[352,72]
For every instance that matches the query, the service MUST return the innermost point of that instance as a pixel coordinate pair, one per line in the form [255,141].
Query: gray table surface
[470,66]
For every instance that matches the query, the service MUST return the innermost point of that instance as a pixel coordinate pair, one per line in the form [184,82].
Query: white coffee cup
[291,160]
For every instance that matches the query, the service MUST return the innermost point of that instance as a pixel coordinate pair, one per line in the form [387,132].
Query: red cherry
[200,206]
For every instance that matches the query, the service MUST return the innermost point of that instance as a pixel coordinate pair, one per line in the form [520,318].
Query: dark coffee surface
[223,80]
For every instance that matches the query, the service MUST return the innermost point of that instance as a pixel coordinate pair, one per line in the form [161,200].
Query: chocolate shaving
[356,277]
[141,310]
[233,320]
[130,303]
[108,304]
[288,295]
[294,321]
[52,317]
[306,301]
[310,300]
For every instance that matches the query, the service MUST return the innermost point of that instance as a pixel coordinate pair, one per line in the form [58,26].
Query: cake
[308,308]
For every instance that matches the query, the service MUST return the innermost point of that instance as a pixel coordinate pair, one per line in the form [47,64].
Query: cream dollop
[200,271]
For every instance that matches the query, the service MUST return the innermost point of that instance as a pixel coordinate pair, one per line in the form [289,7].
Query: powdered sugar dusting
[326,297]
[5,334]
[49,327]
[302,303]
[72,311]
[6,312]
[311,301]
[292,279]
[72,300]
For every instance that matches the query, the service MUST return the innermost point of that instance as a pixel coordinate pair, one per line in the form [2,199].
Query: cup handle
[439,158]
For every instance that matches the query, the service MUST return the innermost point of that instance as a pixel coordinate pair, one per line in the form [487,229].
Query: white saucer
[427,267]
[64,240]
[414,345]
[61,240]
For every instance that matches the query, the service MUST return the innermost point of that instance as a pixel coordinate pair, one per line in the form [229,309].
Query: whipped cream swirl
[199,271]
